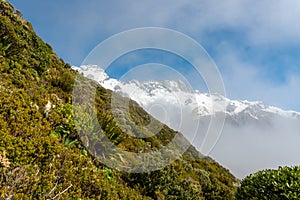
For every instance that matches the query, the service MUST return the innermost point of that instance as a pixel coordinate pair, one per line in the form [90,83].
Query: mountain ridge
[205,104]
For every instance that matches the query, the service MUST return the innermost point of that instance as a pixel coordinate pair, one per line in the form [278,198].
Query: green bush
[283,183]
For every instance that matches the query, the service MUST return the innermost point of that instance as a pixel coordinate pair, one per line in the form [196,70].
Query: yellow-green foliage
[41,154]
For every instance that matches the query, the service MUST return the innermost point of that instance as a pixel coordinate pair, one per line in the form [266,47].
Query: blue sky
[255,44]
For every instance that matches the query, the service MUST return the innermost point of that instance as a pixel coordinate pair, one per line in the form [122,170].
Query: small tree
[283,183]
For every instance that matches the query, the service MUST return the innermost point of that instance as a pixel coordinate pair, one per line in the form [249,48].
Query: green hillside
[41,153]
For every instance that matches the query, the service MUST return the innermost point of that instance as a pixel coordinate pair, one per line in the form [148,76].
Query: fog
[244,147]
[249,148]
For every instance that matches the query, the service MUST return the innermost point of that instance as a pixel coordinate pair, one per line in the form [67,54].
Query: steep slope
[43,157]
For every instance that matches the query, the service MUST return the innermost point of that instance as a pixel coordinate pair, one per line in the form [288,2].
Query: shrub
[283,183]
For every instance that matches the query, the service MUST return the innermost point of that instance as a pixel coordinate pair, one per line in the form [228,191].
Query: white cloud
[80,27]
[263,21]
[243,81]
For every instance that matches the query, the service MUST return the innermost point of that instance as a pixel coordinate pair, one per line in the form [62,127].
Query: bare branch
[63,191]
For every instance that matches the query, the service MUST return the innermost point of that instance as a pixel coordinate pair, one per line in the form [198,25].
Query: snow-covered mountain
[249,135]
[179,94]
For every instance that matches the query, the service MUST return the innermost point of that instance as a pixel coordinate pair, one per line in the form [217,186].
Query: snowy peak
[178,94]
